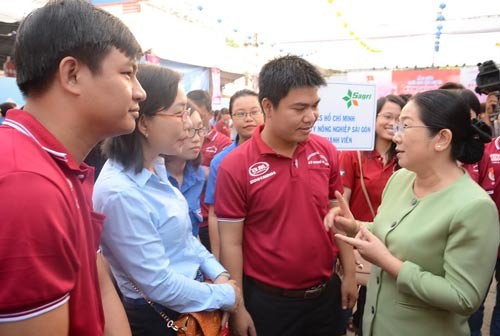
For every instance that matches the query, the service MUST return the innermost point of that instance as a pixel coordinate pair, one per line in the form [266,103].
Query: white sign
[347,115]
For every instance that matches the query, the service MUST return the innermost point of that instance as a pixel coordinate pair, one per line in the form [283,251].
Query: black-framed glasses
[191,132]
[243,115]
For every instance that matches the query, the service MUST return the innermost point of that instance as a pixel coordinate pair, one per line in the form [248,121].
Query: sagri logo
[352,98]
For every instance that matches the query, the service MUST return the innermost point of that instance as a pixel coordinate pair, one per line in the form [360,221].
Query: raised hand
[340,218]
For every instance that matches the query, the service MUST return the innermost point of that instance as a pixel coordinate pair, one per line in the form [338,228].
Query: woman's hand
[340,218]
[373,250]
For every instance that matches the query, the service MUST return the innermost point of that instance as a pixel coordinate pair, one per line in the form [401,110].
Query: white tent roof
[334,34]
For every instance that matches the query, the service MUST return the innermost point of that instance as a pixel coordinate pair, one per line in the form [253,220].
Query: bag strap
[170,323]
[362,181]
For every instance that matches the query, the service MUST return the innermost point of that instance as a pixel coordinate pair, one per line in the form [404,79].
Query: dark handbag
[204,323]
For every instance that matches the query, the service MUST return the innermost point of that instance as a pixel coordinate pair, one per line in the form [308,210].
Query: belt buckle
[314,292]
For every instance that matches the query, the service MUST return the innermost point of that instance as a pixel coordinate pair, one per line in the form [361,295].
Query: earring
[438,146]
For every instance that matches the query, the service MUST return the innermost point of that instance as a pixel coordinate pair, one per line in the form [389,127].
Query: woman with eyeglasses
[364,176]
[147,235]
[434,240]
[184,170]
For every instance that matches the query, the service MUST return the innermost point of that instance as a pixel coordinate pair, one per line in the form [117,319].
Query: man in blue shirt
[247,115]
[4,107]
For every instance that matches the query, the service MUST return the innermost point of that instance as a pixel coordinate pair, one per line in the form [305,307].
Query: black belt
[308,293]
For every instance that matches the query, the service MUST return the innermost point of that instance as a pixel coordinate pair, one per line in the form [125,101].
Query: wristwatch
[226,274]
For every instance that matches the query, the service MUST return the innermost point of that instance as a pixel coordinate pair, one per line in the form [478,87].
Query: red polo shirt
[213,144]
[483,173]
[492,151]
[375,175]
[222,127]
[48,234]
[283,202]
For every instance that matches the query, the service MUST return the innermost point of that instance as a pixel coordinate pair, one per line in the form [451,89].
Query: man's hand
[491,103]
[340,219]
[238,296]
[241,323]
[349,291]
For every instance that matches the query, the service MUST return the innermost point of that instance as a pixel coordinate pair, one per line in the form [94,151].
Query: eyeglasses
[243,115]
[191,132]
[400,128]
[184,114]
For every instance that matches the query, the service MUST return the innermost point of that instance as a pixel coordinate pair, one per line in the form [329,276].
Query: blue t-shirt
[212,176]
[191,188]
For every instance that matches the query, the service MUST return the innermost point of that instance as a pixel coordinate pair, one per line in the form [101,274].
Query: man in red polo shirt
[213,144]
[76,66]
[273,193]
[492,152]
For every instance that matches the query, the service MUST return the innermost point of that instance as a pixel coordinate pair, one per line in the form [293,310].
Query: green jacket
[448,243]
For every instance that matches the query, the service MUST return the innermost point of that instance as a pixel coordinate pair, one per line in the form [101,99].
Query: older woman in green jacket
[436,234]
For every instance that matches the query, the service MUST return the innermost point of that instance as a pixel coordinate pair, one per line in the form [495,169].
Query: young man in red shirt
[76,66]
[273,192]
[213,144]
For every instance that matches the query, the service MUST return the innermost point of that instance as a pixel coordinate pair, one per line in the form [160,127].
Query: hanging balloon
[440,17]
[442,5]
[436,48]
[200,8]
[439,26]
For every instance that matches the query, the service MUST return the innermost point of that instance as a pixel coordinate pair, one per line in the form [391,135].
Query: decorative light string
[353,34]
[440,19]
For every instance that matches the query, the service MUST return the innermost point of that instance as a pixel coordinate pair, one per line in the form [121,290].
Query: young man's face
[294,117]
[111,97]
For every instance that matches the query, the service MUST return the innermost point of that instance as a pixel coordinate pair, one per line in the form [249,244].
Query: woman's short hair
[444,109]
[161,85]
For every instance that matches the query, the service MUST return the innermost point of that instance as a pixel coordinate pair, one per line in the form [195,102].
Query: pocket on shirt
[319,179]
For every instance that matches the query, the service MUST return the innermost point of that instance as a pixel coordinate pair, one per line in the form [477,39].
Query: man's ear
[69,75]
[267,107]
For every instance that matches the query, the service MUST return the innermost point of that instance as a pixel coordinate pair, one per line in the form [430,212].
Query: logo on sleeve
[259,170]
[211,149]
[317,158]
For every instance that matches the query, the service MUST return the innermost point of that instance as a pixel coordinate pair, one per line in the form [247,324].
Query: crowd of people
[267,227]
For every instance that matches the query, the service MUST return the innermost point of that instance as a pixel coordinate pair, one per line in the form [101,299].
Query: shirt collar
[265,149]
[28,125]
[142,177]
[212,135]
[190,176]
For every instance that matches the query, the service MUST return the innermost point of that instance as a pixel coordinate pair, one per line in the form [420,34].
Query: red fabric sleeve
[38,256]
[230,193]
[348,164]
[335,179]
